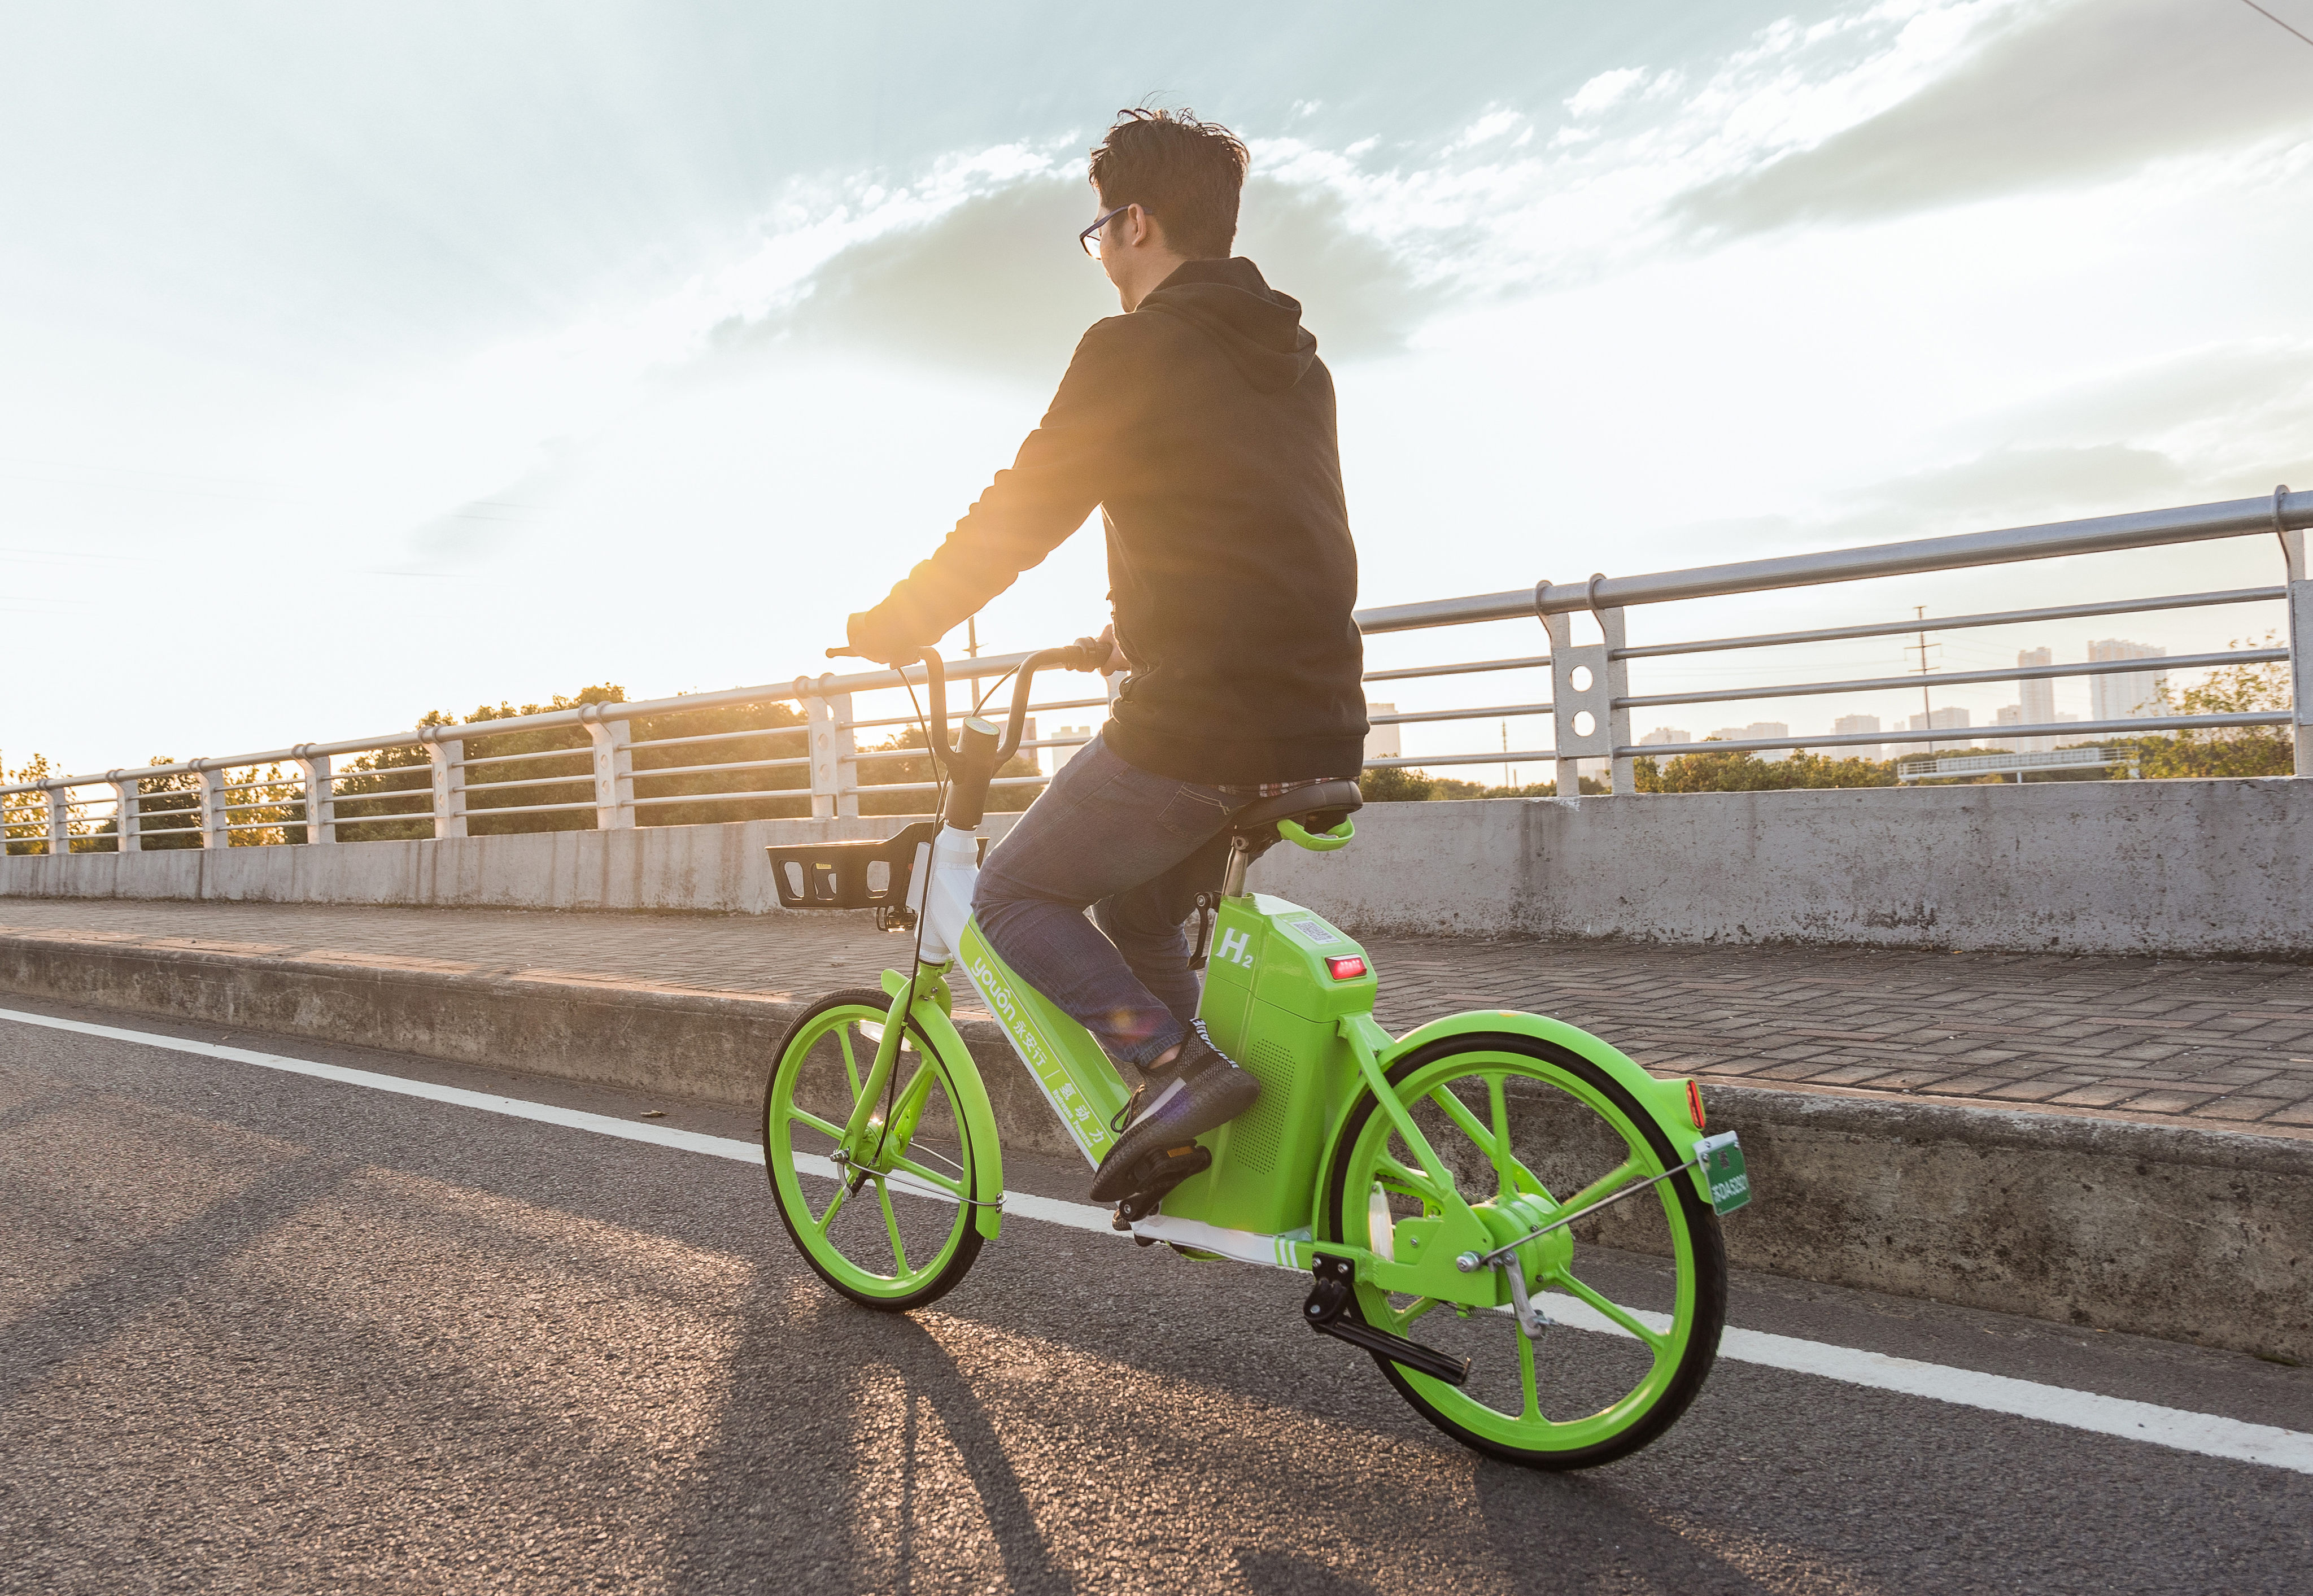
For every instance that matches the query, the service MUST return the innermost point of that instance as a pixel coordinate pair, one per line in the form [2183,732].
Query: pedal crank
[1179,1164]
[1327,1312]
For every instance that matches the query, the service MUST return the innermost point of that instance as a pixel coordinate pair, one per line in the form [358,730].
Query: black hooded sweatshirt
[1201,425]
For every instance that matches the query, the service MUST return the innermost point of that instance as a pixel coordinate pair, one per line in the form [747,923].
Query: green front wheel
[1523,1131]
[892,1227]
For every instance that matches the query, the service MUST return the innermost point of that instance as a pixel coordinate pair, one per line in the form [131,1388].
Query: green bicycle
[1542,1211]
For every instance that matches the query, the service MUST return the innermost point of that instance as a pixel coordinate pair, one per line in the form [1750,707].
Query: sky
[356,361]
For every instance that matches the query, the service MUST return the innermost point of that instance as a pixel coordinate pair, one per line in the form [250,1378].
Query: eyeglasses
[1090,236]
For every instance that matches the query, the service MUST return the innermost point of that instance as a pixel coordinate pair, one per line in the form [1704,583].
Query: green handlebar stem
[1292,831]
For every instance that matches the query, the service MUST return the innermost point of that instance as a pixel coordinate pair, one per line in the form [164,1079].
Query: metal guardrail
[1937,767]
[1589,708]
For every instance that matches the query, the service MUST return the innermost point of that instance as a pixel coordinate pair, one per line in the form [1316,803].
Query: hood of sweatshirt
[1258,328]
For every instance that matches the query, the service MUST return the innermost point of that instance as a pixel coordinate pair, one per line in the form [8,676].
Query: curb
[2194,1234]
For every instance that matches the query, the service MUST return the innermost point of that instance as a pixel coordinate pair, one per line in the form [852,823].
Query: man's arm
[1064,470]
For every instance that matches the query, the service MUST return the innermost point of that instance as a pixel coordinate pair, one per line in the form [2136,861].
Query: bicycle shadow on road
[872,1475]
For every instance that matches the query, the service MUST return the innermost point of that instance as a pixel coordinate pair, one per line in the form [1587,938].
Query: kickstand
[1206,902]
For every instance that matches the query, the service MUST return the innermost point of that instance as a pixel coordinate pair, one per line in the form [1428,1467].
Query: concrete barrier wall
[2205,868]
[2215,867]
[709,868]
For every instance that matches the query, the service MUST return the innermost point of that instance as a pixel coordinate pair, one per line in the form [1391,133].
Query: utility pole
[971,637]
[1927,709]
[1506,748]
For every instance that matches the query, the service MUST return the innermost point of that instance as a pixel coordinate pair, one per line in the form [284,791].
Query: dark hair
[1183,172]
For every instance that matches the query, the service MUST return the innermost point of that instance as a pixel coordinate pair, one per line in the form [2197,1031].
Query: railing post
[834,778]
[128,826]
[213,818]
[59,813]
[614,769]
[1584,683]
[449,758]
[1623,772]
[2300,637]
[320,796]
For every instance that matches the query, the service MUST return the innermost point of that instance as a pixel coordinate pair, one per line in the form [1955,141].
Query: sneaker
[1200,1091]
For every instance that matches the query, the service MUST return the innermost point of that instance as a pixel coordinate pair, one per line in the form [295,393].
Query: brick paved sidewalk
[2223,1044]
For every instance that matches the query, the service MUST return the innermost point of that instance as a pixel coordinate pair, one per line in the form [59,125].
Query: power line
[2275,20]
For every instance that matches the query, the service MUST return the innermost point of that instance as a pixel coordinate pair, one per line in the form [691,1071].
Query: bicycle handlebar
[1085,654]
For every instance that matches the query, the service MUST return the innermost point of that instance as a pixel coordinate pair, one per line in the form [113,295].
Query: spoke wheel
[891,1231]
[1528,1130]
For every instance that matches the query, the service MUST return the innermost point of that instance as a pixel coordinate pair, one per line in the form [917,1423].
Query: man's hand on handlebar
[1112,660]
[1100,654]
[871,642]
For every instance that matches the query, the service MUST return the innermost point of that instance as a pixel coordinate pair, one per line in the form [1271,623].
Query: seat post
[1240,856]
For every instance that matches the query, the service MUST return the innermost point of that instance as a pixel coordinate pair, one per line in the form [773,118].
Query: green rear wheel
[1637,1293]
[892,1231]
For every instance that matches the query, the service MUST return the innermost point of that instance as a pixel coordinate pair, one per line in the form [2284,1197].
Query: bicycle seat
[1321,807]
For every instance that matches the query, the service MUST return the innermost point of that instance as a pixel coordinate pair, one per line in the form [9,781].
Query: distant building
[2125,695]
[1665,734]
[1847,725]
[2036,698]
[1757,729]
[2006,715]
[1383,742]
[1951,719]
[1065,742]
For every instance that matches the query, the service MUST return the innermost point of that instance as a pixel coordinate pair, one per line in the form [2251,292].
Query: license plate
[1723,1174]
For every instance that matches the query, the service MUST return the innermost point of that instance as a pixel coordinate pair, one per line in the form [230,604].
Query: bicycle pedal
[1327,1313]
[1172,1167]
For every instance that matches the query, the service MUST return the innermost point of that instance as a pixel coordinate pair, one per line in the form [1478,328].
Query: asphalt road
[267,1333]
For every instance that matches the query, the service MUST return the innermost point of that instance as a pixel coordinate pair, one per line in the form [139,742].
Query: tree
[894,772]
[1743,771]
[2228,750]
[1395,784]
[24,819]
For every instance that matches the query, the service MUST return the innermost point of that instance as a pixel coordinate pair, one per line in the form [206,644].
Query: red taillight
[1346,969]
[1694,1104]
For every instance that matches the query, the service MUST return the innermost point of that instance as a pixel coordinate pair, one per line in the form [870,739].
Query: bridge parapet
[239,798]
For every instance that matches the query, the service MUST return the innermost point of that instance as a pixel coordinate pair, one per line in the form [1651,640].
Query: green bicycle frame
[1290,996]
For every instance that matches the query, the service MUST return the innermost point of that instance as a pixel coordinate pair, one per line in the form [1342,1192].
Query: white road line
[2207,1433]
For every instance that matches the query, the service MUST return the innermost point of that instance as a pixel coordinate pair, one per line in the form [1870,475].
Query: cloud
[2074,94]
[2257,397]
[2223,422]
[1493,125]
[997,284]
[1606,89]
[2028,482]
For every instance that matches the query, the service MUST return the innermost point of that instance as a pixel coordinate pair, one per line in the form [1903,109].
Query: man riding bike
[1200,424]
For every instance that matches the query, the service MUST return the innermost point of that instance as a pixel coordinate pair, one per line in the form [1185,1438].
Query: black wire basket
[849,875]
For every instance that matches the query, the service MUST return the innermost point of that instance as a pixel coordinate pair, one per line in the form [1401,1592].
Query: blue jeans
[1136,849]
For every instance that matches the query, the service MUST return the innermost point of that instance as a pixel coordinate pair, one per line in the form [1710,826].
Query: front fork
[871,1143]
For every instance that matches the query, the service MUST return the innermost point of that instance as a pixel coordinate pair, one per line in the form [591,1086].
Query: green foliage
[1734,771]
[26,814]
[1394,784]
[2228,750]
[168,811]
[894,772]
